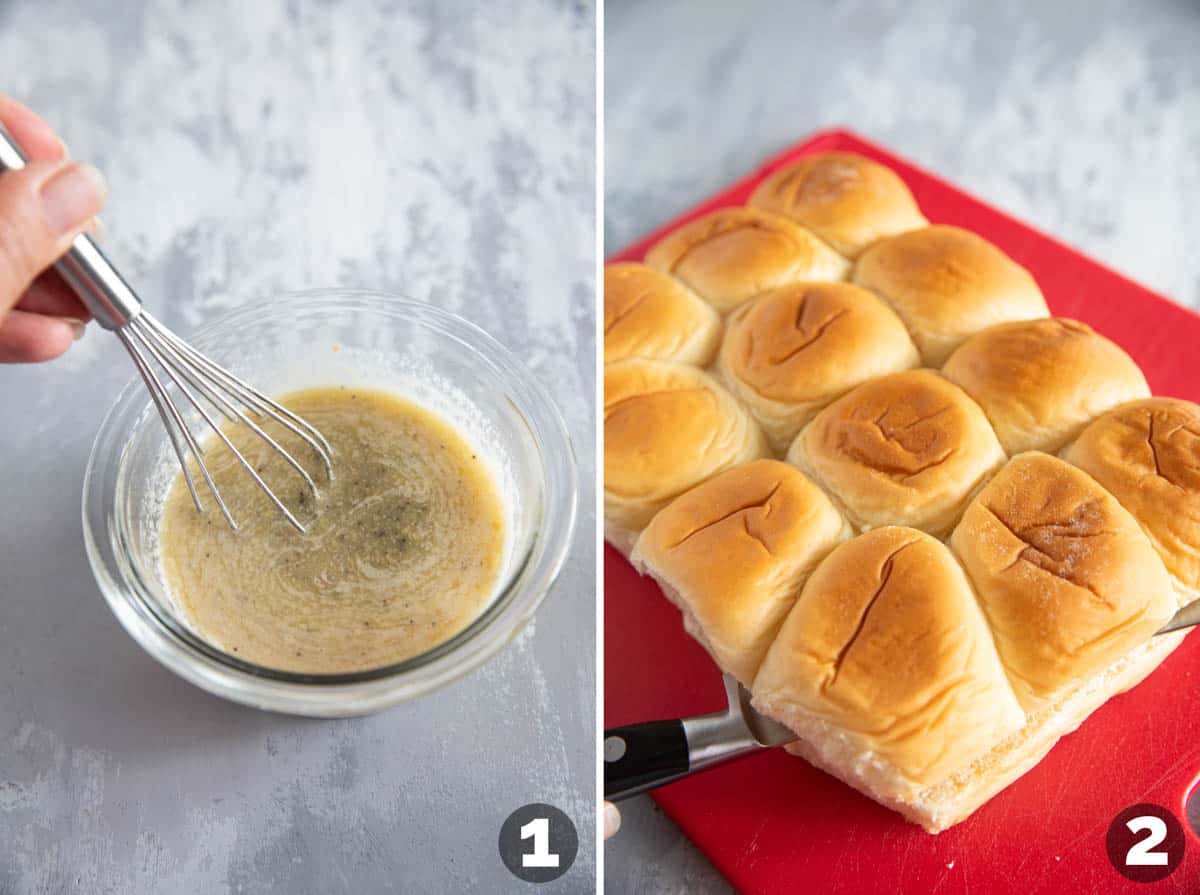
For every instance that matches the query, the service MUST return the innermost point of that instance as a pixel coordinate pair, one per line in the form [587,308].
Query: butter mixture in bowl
[448,517]
[401,549]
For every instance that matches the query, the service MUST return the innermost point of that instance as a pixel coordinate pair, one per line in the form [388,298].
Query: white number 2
[539,830]
[1139,855]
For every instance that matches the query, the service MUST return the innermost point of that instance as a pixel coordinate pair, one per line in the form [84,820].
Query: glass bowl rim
[348,693]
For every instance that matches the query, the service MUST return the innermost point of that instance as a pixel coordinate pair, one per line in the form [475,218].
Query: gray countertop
[1082,118]
[445,152]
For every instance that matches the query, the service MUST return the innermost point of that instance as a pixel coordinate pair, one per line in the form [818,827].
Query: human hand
[43,207]
[612,819]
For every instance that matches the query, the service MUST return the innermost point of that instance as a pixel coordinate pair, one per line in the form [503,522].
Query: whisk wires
[198,379]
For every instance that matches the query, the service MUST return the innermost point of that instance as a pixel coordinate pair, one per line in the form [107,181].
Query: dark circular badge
[538,843]
[1145,843]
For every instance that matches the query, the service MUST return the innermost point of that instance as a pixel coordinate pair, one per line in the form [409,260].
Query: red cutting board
[772,823]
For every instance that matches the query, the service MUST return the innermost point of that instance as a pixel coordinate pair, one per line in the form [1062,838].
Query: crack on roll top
[923,445]
[810,332]
[822,183]
[764,503]
[1073,327]
[1062,548]
[615,406]
[724,225]
[624,312]
[1169,459]
[952,274]
[885,576]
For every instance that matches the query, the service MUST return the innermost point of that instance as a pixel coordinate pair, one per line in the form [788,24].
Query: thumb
[43,206]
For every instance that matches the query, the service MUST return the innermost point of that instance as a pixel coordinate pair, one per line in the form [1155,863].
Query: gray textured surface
[444,153]
[1081,118]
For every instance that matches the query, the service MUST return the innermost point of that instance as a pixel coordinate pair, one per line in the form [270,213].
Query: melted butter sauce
[402,549]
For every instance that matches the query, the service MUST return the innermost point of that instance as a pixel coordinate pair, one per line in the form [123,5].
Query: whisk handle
[102,290]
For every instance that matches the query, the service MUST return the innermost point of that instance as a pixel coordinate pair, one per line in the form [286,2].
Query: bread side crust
[942,805]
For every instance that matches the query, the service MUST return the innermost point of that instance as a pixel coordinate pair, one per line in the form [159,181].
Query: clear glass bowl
[329,337]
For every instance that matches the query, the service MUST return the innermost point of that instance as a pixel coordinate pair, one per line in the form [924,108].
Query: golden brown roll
[667,427]
[733,254]
[885,667]
[1041,381]
[946,284]
[789,352]
[847,200]
[1147,455]
[733,552]
[1066,578]
[943,804]
[905,449]
[649,314]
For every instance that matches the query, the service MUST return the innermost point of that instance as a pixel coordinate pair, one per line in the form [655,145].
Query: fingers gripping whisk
[164,360]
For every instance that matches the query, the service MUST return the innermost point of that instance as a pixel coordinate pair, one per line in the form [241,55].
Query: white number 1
[1139,855]
[539,830]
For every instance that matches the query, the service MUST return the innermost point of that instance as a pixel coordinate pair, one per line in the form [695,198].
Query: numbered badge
[1145,843]
[538,843]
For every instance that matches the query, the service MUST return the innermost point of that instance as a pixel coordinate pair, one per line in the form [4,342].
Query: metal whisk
[116,307]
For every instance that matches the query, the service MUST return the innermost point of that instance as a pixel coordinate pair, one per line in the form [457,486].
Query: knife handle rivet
[614,749]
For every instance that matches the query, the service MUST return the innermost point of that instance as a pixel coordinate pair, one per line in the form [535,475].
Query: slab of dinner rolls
[733,552]
[789,352]
[1147,455]
[946,284]
[667,427]
[847,200]
[909,449]
[1041,381]
[652,315]
[1064,574]
[885,667]
[732,254]
[947,802]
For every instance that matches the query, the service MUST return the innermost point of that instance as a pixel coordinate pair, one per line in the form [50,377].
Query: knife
[639,757]
[1186,617]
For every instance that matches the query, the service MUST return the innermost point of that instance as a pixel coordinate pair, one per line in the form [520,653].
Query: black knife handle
[642,756]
